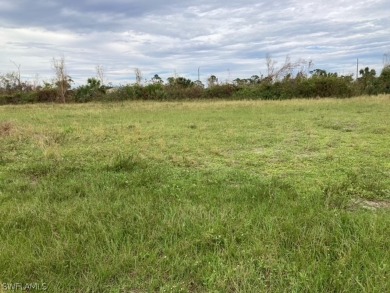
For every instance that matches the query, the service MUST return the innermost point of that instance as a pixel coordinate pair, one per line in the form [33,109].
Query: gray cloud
[164,37]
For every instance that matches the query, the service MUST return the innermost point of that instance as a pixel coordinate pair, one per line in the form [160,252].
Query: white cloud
[167,36]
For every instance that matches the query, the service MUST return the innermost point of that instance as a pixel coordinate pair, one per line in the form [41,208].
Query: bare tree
[286,69]
[138,76]
[35,84]
[270,66]
[17,75]
[63,80]
[100,74]
[386,59]
[305,66]
[9,82]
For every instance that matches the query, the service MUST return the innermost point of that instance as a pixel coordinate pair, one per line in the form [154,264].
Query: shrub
[92,91]
[385,80]
[222,91]
[123,93]
[46,95]
[183,93]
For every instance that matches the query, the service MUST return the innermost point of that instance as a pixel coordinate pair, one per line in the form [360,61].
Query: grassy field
[206,196]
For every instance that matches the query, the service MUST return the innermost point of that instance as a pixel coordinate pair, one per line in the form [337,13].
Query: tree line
[290,80]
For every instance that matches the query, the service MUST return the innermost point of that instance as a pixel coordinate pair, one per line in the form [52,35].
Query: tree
[100,74]
[17,76]
[180,82]
[367,73]
[368,81]
[286,69]
[198,83]
[91,91]
[184,82]
[212,81]
[171,80]
[9,82]
[138,76]
[63,80]
[270,66]
[385,79]
[322,73]
[254,79]
[156,79]
[242,82]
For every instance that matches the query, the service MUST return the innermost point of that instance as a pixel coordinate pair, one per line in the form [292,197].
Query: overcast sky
[224,38]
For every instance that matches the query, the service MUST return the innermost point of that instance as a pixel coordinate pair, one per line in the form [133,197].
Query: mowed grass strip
[205,196]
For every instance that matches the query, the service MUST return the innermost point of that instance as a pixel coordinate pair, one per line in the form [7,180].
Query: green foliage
[92,91]
[319,84]
[153,91]
[157,79]
[221,91]
[122,93]
[39,96]
[385,79]
[331,86]
[368,83]
[186,93]
[180,82]
[46,95]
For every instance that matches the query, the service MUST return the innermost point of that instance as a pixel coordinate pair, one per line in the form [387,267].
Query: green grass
[216,196]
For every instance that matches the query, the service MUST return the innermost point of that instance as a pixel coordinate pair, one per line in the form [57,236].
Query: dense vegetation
[277,85]
[200,196]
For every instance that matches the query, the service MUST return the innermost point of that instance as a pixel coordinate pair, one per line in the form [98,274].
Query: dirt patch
[6,128]
[372,205]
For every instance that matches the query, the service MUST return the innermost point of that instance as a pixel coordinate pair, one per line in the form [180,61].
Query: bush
[9,99]
[265,91]
[182,93]
[46,95]
[123,93]
[221,91]
[325,86]
[92,91]
[385,80]
[319,84]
